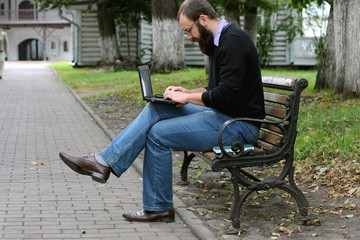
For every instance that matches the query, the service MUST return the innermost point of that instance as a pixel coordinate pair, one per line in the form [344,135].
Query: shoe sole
[94,175]
[165,220]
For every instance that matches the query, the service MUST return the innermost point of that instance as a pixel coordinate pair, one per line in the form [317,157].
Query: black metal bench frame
[276,143]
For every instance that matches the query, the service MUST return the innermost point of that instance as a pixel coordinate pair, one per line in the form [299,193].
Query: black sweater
[234,86]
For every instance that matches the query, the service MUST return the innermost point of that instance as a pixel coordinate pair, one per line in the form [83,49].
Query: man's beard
[206,40]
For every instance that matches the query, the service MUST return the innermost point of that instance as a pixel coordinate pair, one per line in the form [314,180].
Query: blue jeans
[160,128]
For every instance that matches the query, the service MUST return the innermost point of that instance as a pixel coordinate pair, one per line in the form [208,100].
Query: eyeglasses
[188,30]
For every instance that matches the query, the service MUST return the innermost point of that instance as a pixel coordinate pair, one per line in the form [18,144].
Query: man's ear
[203,20]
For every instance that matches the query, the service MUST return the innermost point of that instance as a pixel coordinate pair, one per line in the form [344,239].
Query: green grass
[329,129]
[126,83]
[94,79]
[328,140]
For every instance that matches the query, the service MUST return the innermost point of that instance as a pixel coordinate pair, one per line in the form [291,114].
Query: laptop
[146,87]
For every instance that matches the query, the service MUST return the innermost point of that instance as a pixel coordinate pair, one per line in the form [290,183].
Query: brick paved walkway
[40,197]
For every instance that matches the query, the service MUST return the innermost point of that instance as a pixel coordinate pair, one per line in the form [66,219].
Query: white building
[35,35]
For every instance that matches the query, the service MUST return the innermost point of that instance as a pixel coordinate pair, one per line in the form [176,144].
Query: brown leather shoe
[87,165]
[148,216]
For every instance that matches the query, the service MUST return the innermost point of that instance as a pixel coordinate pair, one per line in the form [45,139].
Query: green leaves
[52,4]
[300,4]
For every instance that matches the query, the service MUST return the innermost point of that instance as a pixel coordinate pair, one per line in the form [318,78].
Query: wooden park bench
[276,143]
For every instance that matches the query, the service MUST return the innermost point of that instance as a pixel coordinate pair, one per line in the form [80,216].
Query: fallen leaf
[323,169]
[179,189]
[285,230]
[298,230]
[351,191]
[191,209]
[312,185]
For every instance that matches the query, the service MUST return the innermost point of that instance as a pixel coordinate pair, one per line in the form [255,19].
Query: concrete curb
[190,219]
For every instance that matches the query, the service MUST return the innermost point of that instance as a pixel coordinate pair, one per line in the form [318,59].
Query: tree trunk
[168,38]
[250,22]
[231,13]
[340,65]
[324,78]
[108,44]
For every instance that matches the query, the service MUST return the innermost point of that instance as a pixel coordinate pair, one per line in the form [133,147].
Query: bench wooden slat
[275,97]
[275,111]
[274,128]
[270,137]
[278,83]
[266,147]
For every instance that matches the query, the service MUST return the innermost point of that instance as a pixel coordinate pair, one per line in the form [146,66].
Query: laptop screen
[145,82]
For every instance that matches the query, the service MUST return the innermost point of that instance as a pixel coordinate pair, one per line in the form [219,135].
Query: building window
[52,45]
[26,10]
[66,47]
[2,9]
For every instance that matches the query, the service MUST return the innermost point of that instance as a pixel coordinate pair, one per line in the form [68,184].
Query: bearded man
[234,90]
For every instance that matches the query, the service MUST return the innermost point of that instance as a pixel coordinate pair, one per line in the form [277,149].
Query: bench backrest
[282,99]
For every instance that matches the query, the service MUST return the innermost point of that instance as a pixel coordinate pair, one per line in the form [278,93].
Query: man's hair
[192,9]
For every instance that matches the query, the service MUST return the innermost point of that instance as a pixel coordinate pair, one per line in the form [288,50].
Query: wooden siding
[146,42]
[193,55]
[143,39]
[280,54]
[300,52]
[90,51]
[127,46]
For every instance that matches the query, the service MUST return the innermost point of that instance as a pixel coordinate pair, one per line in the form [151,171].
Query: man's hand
[184,96]
[177,94]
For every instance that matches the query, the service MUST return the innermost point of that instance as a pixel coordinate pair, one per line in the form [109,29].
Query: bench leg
[239,199]
[299,197]
[184,168]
